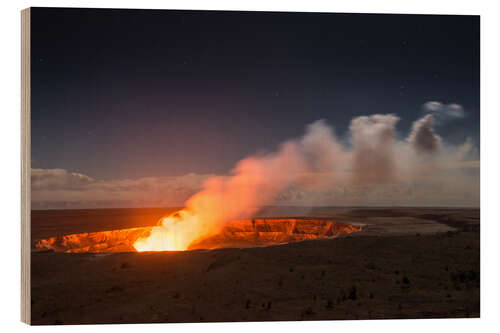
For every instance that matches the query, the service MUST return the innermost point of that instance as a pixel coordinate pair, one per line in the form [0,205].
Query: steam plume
[373,140]
[378,164]
[422,136]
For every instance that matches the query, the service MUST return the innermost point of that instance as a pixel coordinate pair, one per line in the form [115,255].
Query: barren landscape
[301,166]
[404,263]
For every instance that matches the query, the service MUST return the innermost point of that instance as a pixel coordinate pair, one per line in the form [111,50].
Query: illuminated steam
[318,163]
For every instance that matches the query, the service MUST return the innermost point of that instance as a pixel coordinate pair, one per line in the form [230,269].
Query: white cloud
[444,112]
[54,179]
[59,188]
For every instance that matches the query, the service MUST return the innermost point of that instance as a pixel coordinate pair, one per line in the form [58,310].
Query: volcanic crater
[235,234]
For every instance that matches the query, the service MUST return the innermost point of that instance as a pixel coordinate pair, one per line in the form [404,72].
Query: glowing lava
[183,231]
[174,233]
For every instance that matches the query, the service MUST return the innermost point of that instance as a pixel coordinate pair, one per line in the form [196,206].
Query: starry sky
[139,93]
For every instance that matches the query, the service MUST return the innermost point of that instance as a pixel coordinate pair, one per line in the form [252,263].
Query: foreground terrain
[406,263]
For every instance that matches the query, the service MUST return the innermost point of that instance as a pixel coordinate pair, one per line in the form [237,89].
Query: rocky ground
[407,263]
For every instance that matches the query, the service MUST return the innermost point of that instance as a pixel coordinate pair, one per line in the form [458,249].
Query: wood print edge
[25,166]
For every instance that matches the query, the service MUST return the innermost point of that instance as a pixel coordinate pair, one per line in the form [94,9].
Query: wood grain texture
[25,166]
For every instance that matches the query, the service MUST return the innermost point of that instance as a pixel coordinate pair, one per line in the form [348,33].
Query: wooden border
[25,166]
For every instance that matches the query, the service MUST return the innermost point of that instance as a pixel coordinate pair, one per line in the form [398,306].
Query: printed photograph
[228,166]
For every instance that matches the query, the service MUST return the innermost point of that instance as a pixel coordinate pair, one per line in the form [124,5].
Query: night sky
[138,93]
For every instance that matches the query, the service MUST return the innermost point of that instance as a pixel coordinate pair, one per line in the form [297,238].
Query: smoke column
[315,162]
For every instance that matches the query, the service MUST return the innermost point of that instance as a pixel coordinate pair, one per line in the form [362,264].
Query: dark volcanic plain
[406,263]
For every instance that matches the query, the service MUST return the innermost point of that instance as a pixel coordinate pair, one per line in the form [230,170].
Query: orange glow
[174,233]
[121,240]
[182,231]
